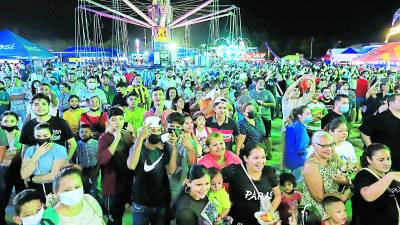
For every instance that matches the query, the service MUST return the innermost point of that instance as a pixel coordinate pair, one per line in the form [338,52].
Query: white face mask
[33,220]
[71,198]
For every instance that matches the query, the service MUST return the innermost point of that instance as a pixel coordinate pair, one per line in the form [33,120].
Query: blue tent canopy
[91,51]
[14,46]
[349,51]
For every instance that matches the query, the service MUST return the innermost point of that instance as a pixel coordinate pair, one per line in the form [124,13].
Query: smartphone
[165,137]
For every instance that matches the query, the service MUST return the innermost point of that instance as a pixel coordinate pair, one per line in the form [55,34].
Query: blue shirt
[86,153]
[45,162]
[297,141]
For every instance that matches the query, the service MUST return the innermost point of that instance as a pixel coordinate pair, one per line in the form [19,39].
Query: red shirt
[97,123]
[116,177]
[362,87]
[129,77]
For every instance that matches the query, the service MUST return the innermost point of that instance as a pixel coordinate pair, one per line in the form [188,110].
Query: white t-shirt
[289,104]
[90,214]
[346,152]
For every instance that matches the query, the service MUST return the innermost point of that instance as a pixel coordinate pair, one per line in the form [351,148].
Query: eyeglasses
[332,145]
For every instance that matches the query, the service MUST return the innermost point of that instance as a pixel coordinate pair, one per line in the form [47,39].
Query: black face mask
[250,115]
[94,110]
[42,141]
[9,129]
[74,107]
[154,138]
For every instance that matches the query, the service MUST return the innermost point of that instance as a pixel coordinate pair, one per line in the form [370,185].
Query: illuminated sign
[7,47]
[162,35]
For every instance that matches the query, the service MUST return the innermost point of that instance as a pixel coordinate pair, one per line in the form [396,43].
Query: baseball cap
[219,100]
[152,121]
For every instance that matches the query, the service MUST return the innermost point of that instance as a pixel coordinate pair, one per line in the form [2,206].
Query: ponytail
[294,115]
[370,151]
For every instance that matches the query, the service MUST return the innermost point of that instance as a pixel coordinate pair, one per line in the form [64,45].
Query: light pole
[137,42]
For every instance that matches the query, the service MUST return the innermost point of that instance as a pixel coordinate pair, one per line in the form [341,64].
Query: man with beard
[141,91]
[326,98]
[76,86]
[62,133]
[168,80]
[119,99]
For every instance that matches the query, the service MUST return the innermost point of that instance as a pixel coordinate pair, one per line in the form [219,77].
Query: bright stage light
[173,47]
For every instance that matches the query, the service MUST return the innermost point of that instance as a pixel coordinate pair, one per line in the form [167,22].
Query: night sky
[287,25]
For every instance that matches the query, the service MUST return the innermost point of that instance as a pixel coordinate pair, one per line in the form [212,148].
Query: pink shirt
[209,160]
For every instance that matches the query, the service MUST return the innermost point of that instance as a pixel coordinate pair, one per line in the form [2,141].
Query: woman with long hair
[297,140]
[376,189]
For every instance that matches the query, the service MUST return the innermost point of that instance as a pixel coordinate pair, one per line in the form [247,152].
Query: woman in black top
[376,190]
[193,207]
[244,196]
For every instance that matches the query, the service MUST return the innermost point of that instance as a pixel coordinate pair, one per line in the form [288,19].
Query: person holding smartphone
[152,161]
[113,150]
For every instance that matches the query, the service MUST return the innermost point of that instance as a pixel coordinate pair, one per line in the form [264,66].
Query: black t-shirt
[330,104]
[385,128]
[151,185]
[229,129]
[372,105]
[381,211]
[192,212]
[119,100]
[244,197]
[331,116]
[61,131]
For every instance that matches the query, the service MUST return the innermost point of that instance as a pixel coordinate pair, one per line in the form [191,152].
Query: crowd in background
[192,145]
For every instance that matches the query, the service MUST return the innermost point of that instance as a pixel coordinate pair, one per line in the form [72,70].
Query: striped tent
[388,54]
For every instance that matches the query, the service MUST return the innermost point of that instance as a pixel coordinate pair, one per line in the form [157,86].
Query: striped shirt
[142,92]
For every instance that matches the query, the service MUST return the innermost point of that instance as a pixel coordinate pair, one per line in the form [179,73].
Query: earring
[187,189]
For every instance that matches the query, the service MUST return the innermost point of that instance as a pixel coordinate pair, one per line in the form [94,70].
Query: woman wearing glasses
[320,173]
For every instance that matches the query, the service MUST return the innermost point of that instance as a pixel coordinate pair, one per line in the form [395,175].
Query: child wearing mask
[86,157]
[30,210]
[290,197]
[335,211]
[219,196]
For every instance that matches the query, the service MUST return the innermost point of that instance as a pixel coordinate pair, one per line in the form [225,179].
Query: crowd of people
[78,144]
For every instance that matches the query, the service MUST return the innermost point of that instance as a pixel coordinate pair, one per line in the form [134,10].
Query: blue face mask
[308,119]
[344,108]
